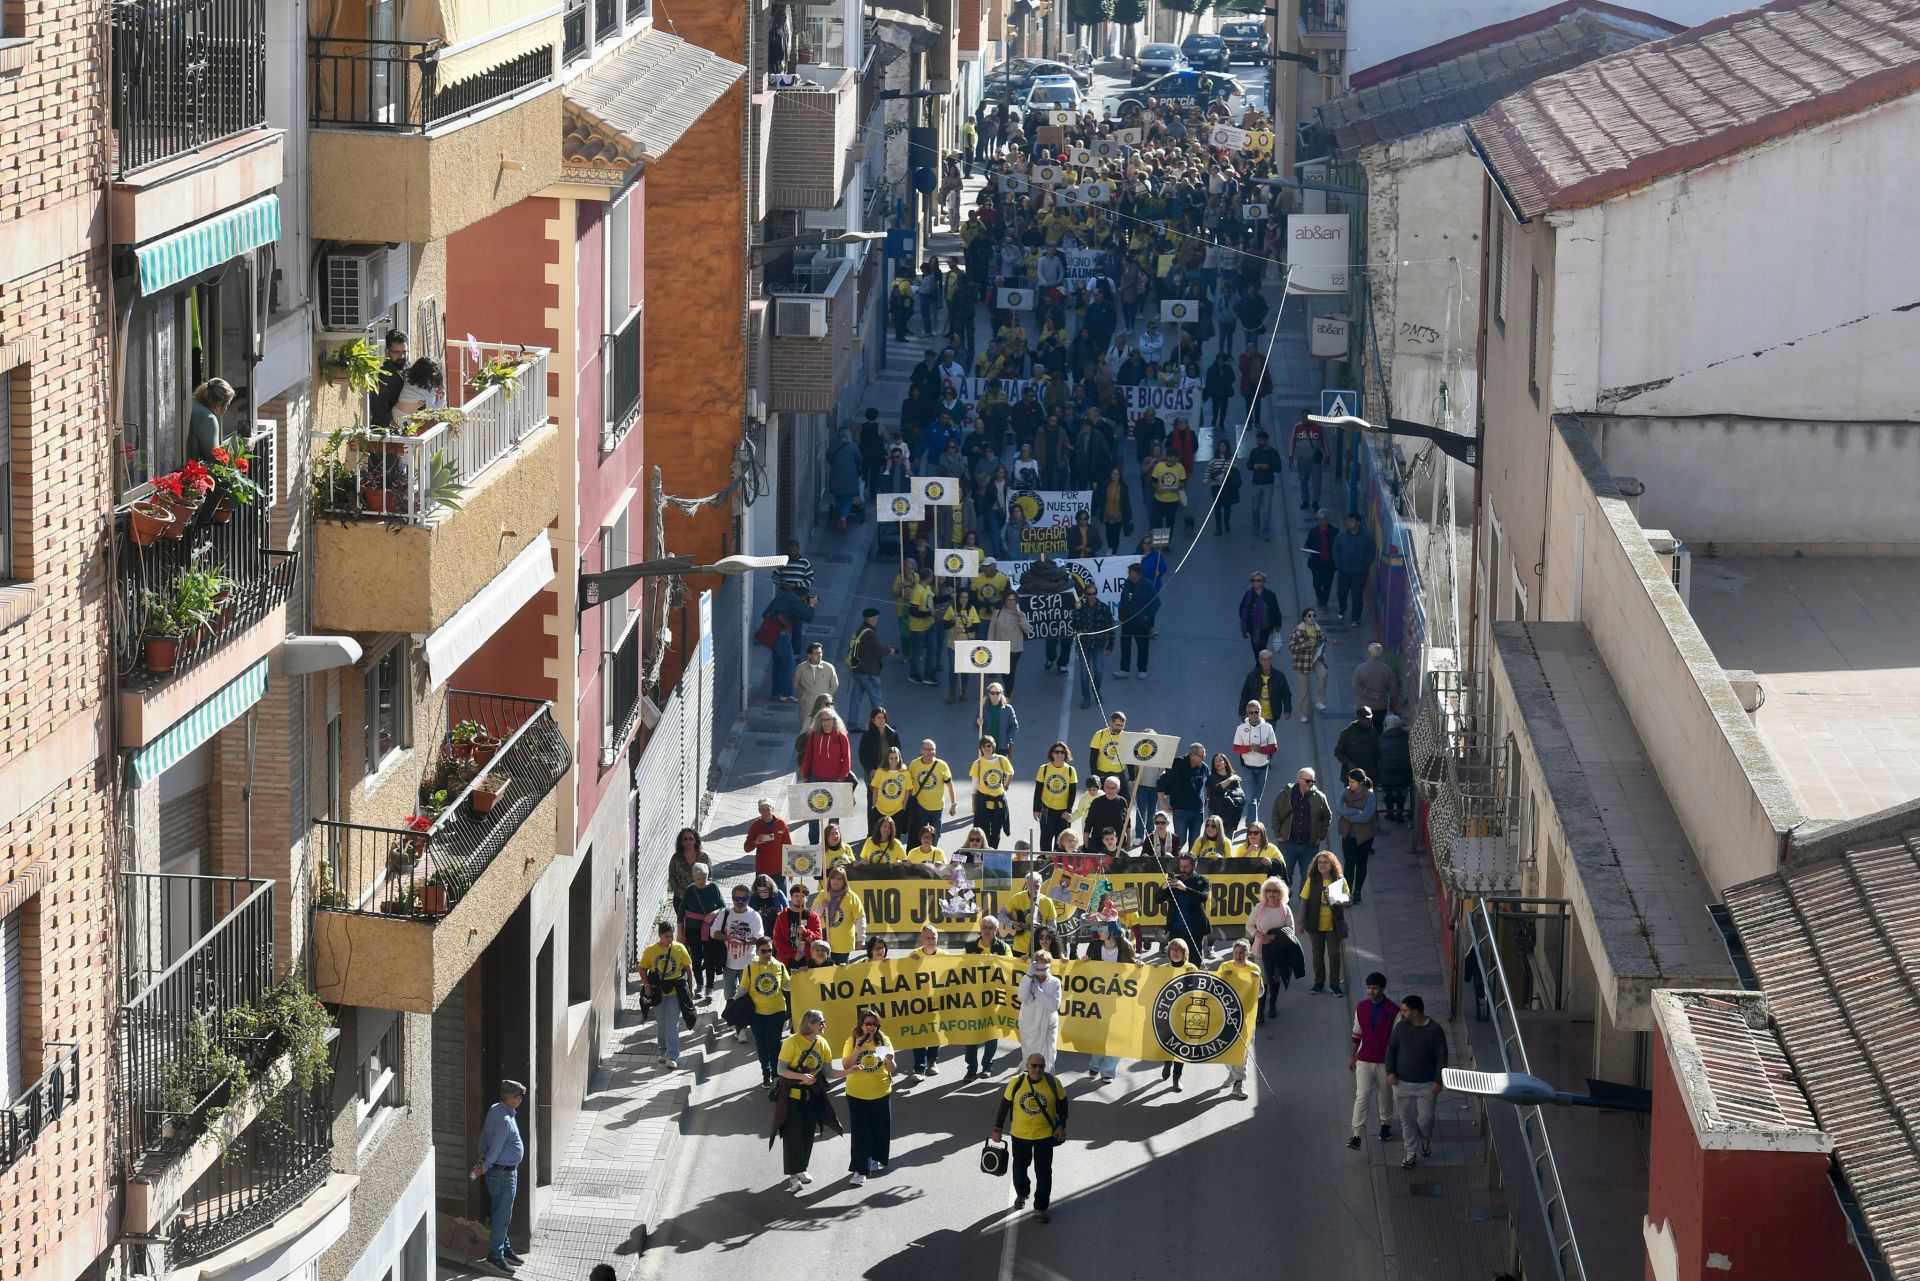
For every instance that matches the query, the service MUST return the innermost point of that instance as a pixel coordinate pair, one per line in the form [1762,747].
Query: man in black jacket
[1139,606]
[1252,312]
[1187,909]
[1358,746]
[393,378]
[1267,685]
[1263,470]
[1183,788]
[1107,810]
[1092,638]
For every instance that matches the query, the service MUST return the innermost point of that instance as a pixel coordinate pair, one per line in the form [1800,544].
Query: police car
[1200,87]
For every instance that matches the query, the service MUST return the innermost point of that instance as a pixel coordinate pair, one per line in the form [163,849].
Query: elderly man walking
[501,1152]
[1375,684]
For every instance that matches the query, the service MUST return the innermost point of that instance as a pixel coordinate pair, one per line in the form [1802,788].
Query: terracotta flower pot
[223,512]
[488,791]
[433,900]
[375,500]
[149,520]
[183,512]
[162,652]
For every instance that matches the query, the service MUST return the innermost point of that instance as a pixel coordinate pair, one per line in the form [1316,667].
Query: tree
[1129,11]
[1088,12]
[1192,8]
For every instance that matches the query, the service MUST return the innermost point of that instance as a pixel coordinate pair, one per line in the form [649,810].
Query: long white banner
[1168,402]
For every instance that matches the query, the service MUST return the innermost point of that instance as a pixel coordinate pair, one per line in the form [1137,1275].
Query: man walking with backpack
[866,655]
[1307,453]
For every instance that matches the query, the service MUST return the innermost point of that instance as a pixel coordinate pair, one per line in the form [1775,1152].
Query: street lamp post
[1519,1088]
[597,588]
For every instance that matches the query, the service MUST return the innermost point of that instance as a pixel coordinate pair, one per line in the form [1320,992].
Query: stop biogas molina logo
[819,800]
[1145,750]
[979,658]
[1197,1017]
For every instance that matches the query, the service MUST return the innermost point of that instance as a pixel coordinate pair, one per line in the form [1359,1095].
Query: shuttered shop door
[11,1050]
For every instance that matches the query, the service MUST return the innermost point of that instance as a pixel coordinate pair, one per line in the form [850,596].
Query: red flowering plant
[230,466]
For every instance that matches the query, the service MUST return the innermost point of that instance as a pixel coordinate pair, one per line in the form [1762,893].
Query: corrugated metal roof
[1461,87]
[1596,131]
[1836,947]
[643,99]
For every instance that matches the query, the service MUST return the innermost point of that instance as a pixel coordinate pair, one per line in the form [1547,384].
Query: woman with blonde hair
[802,1105]
[1270,930]
[1323,915]
[843,916]
[211,399]
[1213,841]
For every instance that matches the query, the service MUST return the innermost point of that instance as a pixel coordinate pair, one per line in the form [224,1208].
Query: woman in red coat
[826,756]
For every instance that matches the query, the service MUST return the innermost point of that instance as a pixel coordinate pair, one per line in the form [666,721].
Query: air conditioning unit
[1678,561]
[800,317]
[355,288]
[1333,62]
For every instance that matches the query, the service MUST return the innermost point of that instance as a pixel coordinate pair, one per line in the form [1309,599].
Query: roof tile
[1595,131]
[640,101]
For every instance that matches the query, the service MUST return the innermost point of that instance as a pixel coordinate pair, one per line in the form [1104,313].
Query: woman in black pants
[867,1064]
[699,904]
[1270,929]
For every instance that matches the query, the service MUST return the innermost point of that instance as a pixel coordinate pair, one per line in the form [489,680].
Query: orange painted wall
[497,288]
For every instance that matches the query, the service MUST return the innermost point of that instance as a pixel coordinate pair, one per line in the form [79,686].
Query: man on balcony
[393,380]
[501,1152]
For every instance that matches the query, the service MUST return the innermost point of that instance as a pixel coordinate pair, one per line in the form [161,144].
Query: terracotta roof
[1836,948]
[1586,135]
[1498,33]
[1738,1083]
[1461,87]
[637,103]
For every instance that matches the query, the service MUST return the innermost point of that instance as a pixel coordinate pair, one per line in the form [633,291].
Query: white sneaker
[873,1165]
[856,1179]
[793,1183]
[740,1035]
[804,1177]
[1121,676]
[1303,716]
[1320,707]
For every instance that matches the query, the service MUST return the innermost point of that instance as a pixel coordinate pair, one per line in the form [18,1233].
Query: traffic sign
[1340,402]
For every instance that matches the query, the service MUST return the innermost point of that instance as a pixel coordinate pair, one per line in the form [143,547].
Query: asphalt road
[1150,1182]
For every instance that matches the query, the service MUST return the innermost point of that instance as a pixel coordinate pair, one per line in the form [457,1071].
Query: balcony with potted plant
[414,904]
[224,1068]
[200,593]
[413,517]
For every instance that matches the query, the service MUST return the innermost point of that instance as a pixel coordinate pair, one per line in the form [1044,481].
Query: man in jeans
[1301,817]
[1373,1023]
[501,1152]
[1263,467]
[1416,1054]
[869,657]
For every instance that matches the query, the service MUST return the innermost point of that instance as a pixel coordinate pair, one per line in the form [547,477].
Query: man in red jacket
[767,841]
[1373,1019]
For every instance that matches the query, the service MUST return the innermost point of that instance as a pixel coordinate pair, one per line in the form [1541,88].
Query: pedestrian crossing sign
[1340,403]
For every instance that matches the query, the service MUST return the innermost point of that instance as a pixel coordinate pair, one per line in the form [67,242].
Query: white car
[1055,94]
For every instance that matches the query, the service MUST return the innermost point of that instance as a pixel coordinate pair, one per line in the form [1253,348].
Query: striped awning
[205,245]
[200,724]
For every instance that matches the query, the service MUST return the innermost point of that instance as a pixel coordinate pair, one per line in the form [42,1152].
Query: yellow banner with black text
[1132,1011]
[902,904]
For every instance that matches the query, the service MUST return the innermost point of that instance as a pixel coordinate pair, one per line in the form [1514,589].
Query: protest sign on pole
[1048,174]
[1154,751]
[1228,136]
[1013,299]
[937,491]
[893,507]
[1253,211]
[1105,149]
[957,562]
[1179,311]
[978,657]
[815,801]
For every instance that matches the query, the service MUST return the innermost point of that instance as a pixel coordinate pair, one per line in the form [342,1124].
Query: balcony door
[386,64]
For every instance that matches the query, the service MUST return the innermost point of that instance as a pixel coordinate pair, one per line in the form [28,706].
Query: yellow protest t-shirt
[1211,847]
[992,774]
[1266,696]
[1244,979]
[989,588]
[889,789]
[804,1054]
[903,585]
[1036,1106]
[668,964]
[872,851]
[841,922]
[767,984]
[961,622]
[1250,850]
[927,781]
[1054,785]
[925,854]
[1169,479]
[920,608]
[835,857]
[1023,907]
[1106,746]
[869,1077]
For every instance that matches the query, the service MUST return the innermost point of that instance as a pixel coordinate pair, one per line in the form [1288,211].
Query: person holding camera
[1037,1105]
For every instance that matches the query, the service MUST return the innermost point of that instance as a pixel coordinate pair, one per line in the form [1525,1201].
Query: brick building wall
[58,1201]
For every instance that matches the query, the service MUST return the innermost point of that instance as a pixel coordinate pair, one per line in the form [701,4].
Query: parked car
[1023,72]
[1156,60]
[1055,95]
[1205,52]
[1198,87]
[1246,41]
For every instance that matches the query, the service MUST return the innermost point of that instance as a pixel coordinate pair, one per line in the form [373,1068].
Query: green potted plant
[502,371]
[290,1018]
[196,1084]
[327,894]
[383,483]
[488,791]
[359,363]
[229,468]
[460,740]
[190,605]
[424,420]
[435,894]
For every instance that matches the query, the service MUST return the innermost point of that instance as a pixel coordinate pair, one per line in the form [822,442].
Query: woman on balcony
[211,399]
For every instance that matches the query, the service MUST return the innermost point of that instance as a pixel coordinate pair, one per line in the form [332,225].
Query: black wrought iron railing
[58,1088]
[623,382]
[266,1170]
[185,73]
[177,1047]
[477,794]
[223,537]
[606,20]
[1323,17]
[164,915]
[396,84]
